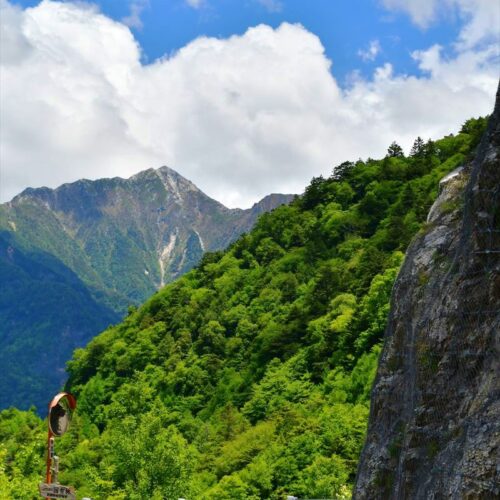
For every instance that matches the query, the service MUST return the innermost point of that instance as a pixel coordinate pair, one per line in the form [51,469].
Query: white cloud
[133,20]
[272,5]
[14,46]
[195,4]
[422,12]
[371,53]
[241,117]
[483,22]
[481,17]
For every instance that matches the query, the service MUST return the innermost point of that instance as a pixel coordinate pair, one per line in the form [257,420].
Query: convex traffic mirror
[60,413]
[61,410]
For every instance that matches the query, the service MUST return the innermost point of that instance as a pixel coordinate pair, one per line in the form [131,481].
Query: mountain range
[250,376]
[73,259]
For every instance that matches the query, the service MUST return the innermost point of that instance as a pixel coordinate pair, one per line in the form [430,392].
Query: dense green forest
[250,376]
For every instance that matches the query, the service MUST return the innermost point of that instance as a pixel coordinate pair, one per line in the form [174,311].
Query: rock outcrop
[434,429]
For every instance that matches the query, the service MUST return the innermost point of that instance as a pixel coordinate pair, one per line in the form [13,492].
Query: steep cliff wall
[434,429]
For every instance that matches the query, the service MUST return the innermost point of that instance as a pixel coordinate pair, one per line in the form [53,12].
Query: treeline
[249,377]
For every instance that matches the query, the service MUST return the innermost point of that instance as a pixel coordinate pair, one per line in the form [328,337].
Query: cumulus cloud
[481,17]
[14,46]
[483,22]
[371,53]
[241,117]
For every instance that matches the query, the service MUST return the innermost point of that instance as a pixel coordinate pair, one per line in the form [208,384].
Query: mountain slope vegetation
[249,377]
[74,258]
[51,313]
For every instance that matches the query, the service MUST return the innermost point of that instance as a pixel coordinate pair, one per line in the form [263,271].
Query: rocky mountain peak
[156,223]
[176,184]
[271,201]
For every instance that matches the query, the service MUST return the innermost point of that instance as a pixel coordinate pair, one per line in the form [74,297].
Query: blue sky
[242,97]
[345,27]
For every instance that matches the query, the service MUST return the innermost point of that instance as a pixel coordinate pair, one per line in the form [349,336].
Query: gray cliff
[434,428]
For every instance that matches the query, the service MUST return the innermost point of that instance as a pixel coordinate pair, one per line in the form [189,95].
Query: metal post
[55,470]
[50,454]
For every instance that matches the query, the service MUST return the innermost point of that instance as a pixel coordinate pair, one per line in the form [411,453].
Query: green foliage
[395,151]
[22,444]
[249,377]
[41,302]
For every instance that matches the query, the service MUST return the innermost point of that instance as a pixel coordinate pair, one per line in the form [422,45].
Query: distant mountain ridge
[102,245]
[166,219]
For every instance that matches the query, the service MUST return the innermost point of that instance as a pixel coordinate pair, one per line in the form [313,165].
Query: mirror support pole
[52,473]
[50,454]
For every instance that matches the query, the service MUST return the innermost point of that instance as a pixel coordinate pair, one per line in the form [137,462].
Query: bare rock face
[434,429]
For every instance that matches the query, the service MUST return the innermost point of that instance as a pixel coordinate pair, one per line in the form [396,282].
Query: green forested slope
[72,260]
[52,313]
[249,377]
